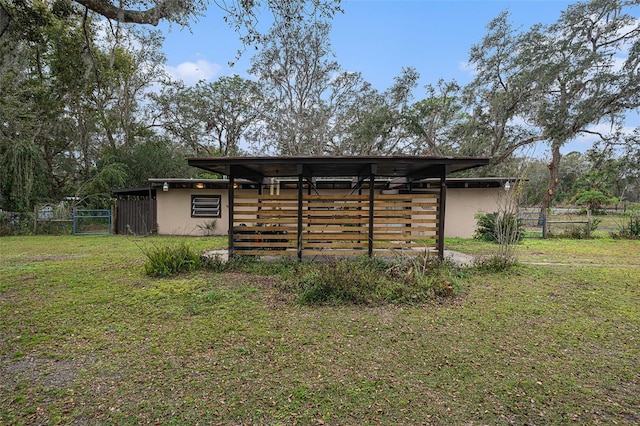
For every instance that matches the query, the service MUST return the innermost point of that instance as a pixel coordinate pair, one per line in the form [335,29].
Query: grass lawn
[87,338]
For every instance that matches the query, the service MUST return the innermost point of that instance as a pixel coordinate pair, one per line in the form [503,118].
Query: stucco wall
[174,210]
[462,206]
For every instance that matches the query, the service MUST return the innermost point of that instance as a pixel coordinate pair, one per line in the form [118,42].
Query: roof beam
[237,170]
[430,171]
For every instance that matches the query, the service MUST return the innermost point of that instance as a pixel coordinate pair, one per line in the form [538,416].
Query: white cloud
[465,66]
[192,72]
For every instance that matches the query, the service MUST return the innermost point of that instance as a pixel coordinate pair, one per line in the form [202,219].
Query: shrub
[495,263]
[167,260]
[630,229]
[499,227]
[374,281]
[15,223]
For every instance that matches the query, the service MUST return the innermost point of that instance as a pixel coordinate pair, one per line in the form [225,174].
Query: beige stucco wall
[174,210]
[462,206]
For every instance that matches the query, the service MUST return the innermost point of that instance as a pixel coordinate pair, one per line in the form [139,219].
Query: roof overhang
[410,167]
[133,192]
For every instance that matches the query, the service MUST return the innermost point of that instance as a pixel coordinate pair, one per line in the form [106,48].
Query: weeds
[495,263]
[630,229]
[367,281]
[167,260]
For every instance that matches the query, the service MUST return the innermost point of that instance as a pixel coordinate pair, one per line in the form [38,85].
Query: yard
[87,338]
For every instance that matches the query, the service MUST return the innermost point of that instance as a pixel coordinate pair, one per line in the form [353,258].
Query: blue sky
[375,37]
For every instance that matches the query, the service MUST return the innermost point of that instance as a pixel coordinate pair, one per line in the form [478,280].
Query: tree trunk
[554,173]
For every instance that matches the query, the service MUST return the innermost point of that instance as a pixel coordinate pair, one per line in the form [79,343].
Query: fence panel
[137,217]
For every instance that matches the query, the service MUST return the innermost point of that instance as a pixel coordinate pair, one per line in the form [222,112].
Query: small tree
[593,199]
[503,226]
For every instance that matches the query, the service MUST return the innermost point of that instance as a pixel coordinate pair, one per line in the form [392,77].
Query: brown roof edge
[412,167]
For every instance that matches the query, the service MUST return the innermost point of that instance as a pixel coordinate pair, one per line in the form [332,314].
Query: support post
[372,179]
[231,195]
[441,208]
[113,218]
[300,192]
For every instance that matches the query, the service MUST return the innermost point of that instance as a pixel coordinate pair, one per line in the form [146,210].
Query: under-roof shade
[411,167]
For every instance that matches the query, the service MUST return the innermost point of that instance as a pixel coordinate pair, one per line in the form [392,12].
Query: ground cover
[86,337]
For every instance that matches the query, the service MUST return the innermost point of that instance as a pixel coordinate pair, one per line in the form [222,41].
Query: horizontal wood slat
[334,224]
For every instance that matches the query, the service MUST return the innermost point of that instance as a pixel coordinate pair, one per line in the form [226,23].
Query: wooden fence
[136,217]
[334,224]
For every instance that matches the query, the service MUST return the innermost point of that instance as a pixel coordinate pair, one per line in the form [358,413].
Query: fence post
[114,218]
[35,220]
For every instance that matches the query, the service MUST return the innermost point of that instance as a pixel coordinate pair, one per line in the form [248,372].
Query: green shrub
[167,260]
[499,227]
[373,281]
[630,229]
[579,232]
[15,223]
[495,263]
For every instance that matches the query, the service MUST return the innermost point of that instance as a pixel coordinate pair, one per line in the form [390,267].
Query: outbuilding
[309,206]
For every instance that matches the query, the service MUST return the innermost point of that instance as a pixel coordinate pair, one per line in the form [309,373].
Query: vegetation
[488,227]
[86,336]
[630,228]
[372,282]
[167,260]
[87,105]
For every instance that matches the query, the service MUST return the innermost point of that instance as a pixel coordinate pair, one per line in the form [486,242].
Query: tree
[433,119]
[242,15]
[555,82]
[497,97]
[41,72]
[68,98]
[582,82]
[229,109]
[376,127]
[132,11]
[210,118]
[298,76]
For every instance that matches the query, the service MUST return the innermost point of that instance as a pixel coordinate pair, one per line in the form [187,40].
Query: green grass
[86,337]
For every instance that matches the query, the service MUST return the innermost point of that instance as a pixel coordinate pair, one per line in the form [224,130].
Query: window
[205,206]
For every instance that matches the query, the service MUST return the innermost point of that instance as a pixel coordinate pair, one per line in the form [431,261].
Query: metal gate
[92,222]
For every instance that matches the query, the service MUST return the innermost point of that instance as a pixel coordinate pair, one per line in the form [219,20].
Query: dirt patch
[47,373]
[58,258]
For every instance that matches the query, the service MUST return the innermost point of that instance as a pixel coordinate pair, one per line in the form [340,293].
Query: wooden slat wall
[334,224]
[405,222]
[134,217]
[265,224]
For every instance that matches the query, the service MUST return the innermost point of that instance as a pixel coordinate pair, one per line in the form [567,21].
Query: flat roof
[410,167]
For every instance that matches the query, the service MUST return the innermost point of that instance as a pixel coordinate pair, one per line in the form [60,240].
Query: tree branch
[151,16]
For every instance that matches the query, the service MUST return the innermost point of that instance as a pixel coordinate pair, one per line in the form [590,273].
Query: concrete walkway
[455,257]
